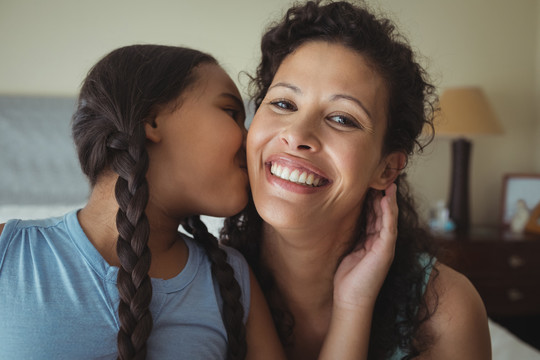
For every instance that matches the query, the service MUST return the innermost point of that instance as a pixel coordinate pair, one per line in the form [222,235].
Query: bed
[41,178]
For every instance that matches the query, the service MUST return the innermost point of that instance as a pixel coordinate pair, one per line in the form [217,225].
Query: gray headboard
[37,157]
[38,161]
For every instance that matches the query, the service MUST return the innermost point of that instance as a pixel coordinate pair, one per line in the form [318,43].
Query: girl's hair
[121,93]
[400,308]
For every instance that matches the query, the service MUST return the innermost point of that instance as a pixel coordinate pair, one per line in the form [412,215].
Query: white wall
[48,46]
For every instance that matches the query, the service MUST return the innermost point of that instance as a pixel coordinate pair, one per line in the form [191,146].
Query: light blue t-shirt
[58,298]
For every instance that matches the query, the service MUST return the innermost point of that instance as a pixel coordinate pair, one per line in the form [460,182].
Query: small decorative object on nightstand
[533,225]
[520,217]
[520,202]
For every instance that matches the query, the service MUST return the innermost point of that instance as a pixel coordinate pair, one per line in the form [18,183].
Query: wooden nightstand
[505,269]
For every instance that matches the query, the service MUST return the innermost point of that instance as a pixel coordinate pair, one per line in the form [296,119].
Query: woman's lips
[296,172]
[298,176]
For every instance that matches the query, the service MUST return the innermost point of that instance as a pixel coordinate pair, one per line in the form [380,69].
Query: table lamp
[464,112]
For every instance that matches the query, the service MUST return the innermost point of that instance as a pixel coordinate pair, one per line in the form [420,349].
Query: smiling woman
[341,103]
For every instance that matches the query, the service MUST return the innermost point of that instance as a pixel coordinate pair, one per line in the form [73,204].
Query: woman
[341,103]
[159,133]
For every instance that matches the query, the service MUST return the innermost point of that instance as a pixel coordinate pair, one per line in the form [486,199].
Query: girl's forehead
[212,78]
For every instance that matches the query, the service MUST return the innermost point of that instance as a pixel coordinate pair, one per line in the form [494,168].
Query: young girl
[341,103]
[160,136]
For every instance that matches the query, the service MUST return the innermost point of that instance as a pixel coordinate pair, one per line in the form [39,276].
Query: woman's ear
[389,169]
[152,130]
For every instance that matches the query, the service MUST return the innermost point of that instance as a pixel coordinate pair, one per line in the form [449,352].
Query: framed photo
[519,190]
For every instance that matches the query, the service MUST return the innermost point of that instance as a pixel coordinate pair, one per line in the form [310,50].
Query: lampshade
[465,111]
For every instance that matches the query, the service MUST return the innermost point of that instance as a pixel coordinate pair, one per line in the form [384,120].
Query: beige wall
[493,44]
[47,47]
[537,96]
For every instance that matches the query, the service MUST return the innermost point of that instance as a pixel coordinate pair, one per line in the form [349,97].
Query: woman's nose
[301,134]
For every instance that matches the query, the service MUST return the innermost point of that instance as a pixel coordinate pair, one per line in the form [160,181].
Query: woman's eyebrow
[296,89]
[353,99]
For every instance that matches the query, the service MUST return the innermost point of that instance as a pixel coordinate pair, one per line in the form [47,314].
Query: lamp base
[458,204]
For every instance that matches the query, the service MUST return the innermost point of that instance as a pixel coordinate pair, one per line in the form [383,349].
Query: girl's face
[315,144]
[197,150]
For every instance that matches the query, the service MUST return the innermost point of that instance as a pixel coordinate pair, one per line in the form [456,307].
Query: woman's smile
[295,174]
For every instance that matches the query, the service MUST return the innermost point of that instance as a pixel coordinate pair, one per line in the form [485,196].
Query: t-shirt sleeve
[241,272]
[5,238]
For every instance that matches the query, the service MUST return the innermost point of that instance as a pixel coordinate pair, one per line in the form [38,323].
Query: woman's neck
[303,265]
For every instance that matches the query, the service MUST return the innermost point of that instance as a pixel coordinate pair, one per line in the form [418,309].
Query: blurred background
[48,46]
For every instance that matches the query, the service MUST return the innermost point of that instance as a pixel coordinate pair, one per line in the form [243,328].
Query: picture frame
[518,189]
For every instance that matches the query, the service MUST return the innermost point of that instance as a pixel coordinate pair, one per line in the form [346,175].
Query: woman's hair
[400,308]
[121,93]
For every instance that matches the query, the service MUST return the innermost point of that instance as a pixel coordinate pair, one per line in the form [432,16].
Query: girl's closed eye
[235,113]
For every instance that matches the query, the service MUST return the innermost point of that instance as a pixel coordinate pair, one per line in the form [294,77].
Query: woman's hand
[360,275]
[357,283]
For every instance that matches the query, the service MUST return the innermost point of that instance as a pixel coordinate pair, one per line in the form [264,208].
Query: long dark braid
[121,93]
[231,293]
[134,286]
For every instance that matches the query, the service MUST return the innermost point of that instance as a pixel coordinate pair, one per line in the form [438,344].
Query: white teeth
[295,175]
[285,174]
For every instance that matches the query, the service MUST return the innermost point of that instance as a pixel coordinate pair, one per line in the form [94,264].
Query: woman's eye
[344,121]
[284,105]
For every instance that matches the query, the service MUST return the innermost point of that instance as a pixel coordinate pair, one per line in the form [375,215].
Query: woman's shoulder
[455,290]
[459,325]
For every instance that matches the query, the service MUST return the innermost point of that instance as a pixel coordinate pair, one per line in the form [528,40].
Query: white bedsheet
[506,346]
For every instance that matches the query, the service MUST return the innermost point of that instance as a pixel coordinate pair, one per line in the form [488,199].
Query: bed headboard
[37,156]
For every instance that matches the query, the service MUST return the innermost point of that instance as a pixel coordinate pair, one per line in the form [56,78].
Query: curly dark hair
[122,92]
[400,308]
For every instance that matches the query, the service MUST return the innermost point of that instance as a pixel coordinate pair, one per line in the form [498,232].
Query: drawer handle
[515,295]
[516,261]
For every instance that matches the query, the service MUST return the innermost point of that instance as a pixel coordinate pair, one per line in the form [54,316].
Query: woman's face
[197,150]
[315,144]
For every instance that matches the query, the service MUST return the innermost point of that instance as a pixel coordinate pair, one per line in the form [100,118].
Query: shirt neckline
[109,273]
